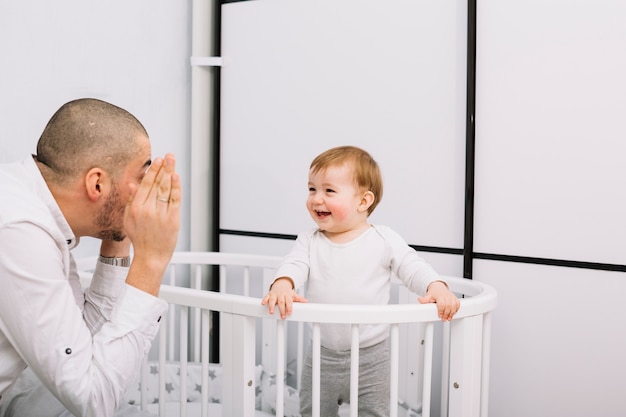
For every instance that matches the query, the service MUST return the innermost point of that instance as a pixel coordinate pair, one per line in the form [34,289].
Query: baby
[346,260]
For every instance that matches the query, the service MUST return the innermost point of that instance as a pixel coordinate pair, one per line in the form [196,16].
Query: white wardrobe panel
[556,348]
[550,131]
[301,76]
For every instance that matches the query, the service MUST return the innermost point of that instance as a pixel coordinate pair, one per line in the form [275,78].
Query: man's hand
[152,221]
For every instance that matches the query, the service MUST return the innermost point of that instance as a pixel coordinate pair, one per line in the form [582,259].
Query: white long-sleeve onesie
[356,272]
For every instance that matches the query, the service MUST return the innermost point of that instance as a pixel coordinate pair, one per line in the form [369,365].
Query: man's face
[110,218]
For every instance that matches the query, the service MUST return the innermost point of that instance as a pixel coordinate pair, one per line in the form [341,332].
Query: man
[92,176]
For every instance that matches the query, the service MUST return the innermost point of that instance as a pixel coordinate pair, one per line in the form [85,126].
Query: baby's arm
[282,294]
[447,303]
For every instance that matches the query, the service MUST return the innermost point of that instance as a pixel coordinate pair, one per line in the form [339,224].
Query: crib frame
[465,346]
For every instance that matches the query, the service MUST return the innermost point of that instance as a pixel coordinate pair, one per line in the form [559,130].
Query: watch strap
[125,261]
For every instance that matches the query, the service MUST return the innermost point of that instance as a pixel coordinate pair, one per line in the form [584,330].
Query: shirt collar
[42,190]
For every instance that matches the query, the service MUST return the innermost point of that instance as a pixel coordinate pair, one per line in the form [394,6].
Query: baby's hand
[283,295]
[447,303]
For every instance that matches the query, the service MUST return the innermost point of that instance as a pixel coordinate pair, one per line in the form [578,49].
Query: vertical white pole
[203,89]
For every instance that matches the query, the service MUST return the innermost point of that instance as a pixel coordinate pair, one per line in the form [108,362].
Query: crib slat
[197,284]
[394,360]
[238,370]
[410,355]
[465,366]
[246,281]
[223,278]
[144,384]
[162,351]
[354,372]
[206,317]
[315,363]
[445,369]
[184,337]
[486,352]
[299,354]
[428,368]
[280,366]
[172,313]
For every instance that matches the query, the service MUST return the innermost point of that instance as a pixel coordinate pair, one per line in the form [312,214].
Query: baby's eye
[311,189]
[330,190]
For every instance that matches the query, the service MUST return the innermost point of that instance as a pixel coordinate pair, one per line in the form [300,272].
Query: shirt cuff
[137,310]
[108,280]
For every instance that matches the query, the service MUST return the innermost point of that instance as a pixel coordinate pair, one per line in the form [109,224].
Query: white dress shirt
[355,272]
[85,347]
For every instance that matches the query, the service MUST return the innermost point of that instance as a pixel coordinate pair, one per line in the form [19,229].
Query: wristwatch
[125,261]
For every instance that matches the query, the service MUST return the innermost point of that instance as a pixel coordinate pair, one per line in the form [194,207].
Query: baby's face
[334,199]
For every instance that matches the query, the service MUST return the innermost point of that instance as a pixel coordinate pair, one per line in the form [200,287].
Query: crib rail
[465,346]
[470,325]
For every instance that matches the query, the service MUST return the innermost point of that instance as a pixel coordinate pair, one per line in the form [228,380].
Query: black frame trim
[470,142]
[257,234]
[551,262]
[216,115]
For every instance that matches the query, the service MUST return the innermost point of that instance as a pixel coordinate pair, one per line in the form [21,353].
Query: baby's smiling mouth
[322,213]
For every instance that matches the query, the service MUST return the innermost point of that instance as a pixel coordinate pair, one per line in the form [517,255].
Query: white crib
[254,348]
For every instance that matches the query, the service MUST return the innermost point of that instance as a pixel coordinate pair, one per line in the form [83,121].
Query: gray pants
[374,376]
[28,397]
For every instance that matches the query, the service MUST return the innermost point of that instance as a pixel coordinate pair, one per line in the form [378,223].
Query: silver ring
[163,200]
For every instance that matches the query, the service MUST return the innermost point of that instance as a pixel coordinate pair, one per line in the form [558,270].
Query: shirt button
[68,351]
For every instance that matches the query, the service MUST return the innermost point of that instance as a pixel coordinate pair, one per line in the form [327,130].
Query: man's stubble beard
[110,219]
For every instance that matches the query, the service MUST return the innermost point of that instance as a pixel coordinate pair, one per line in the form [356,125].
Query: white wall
[133,54]
[550,183]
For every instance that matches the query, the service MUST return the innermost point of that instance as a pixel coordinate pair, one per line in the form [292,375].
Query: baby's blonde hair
[367,175]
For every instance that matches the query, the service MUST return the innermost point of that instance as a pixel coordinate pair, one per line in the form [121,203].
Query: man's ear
[95,182]
[366,200]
